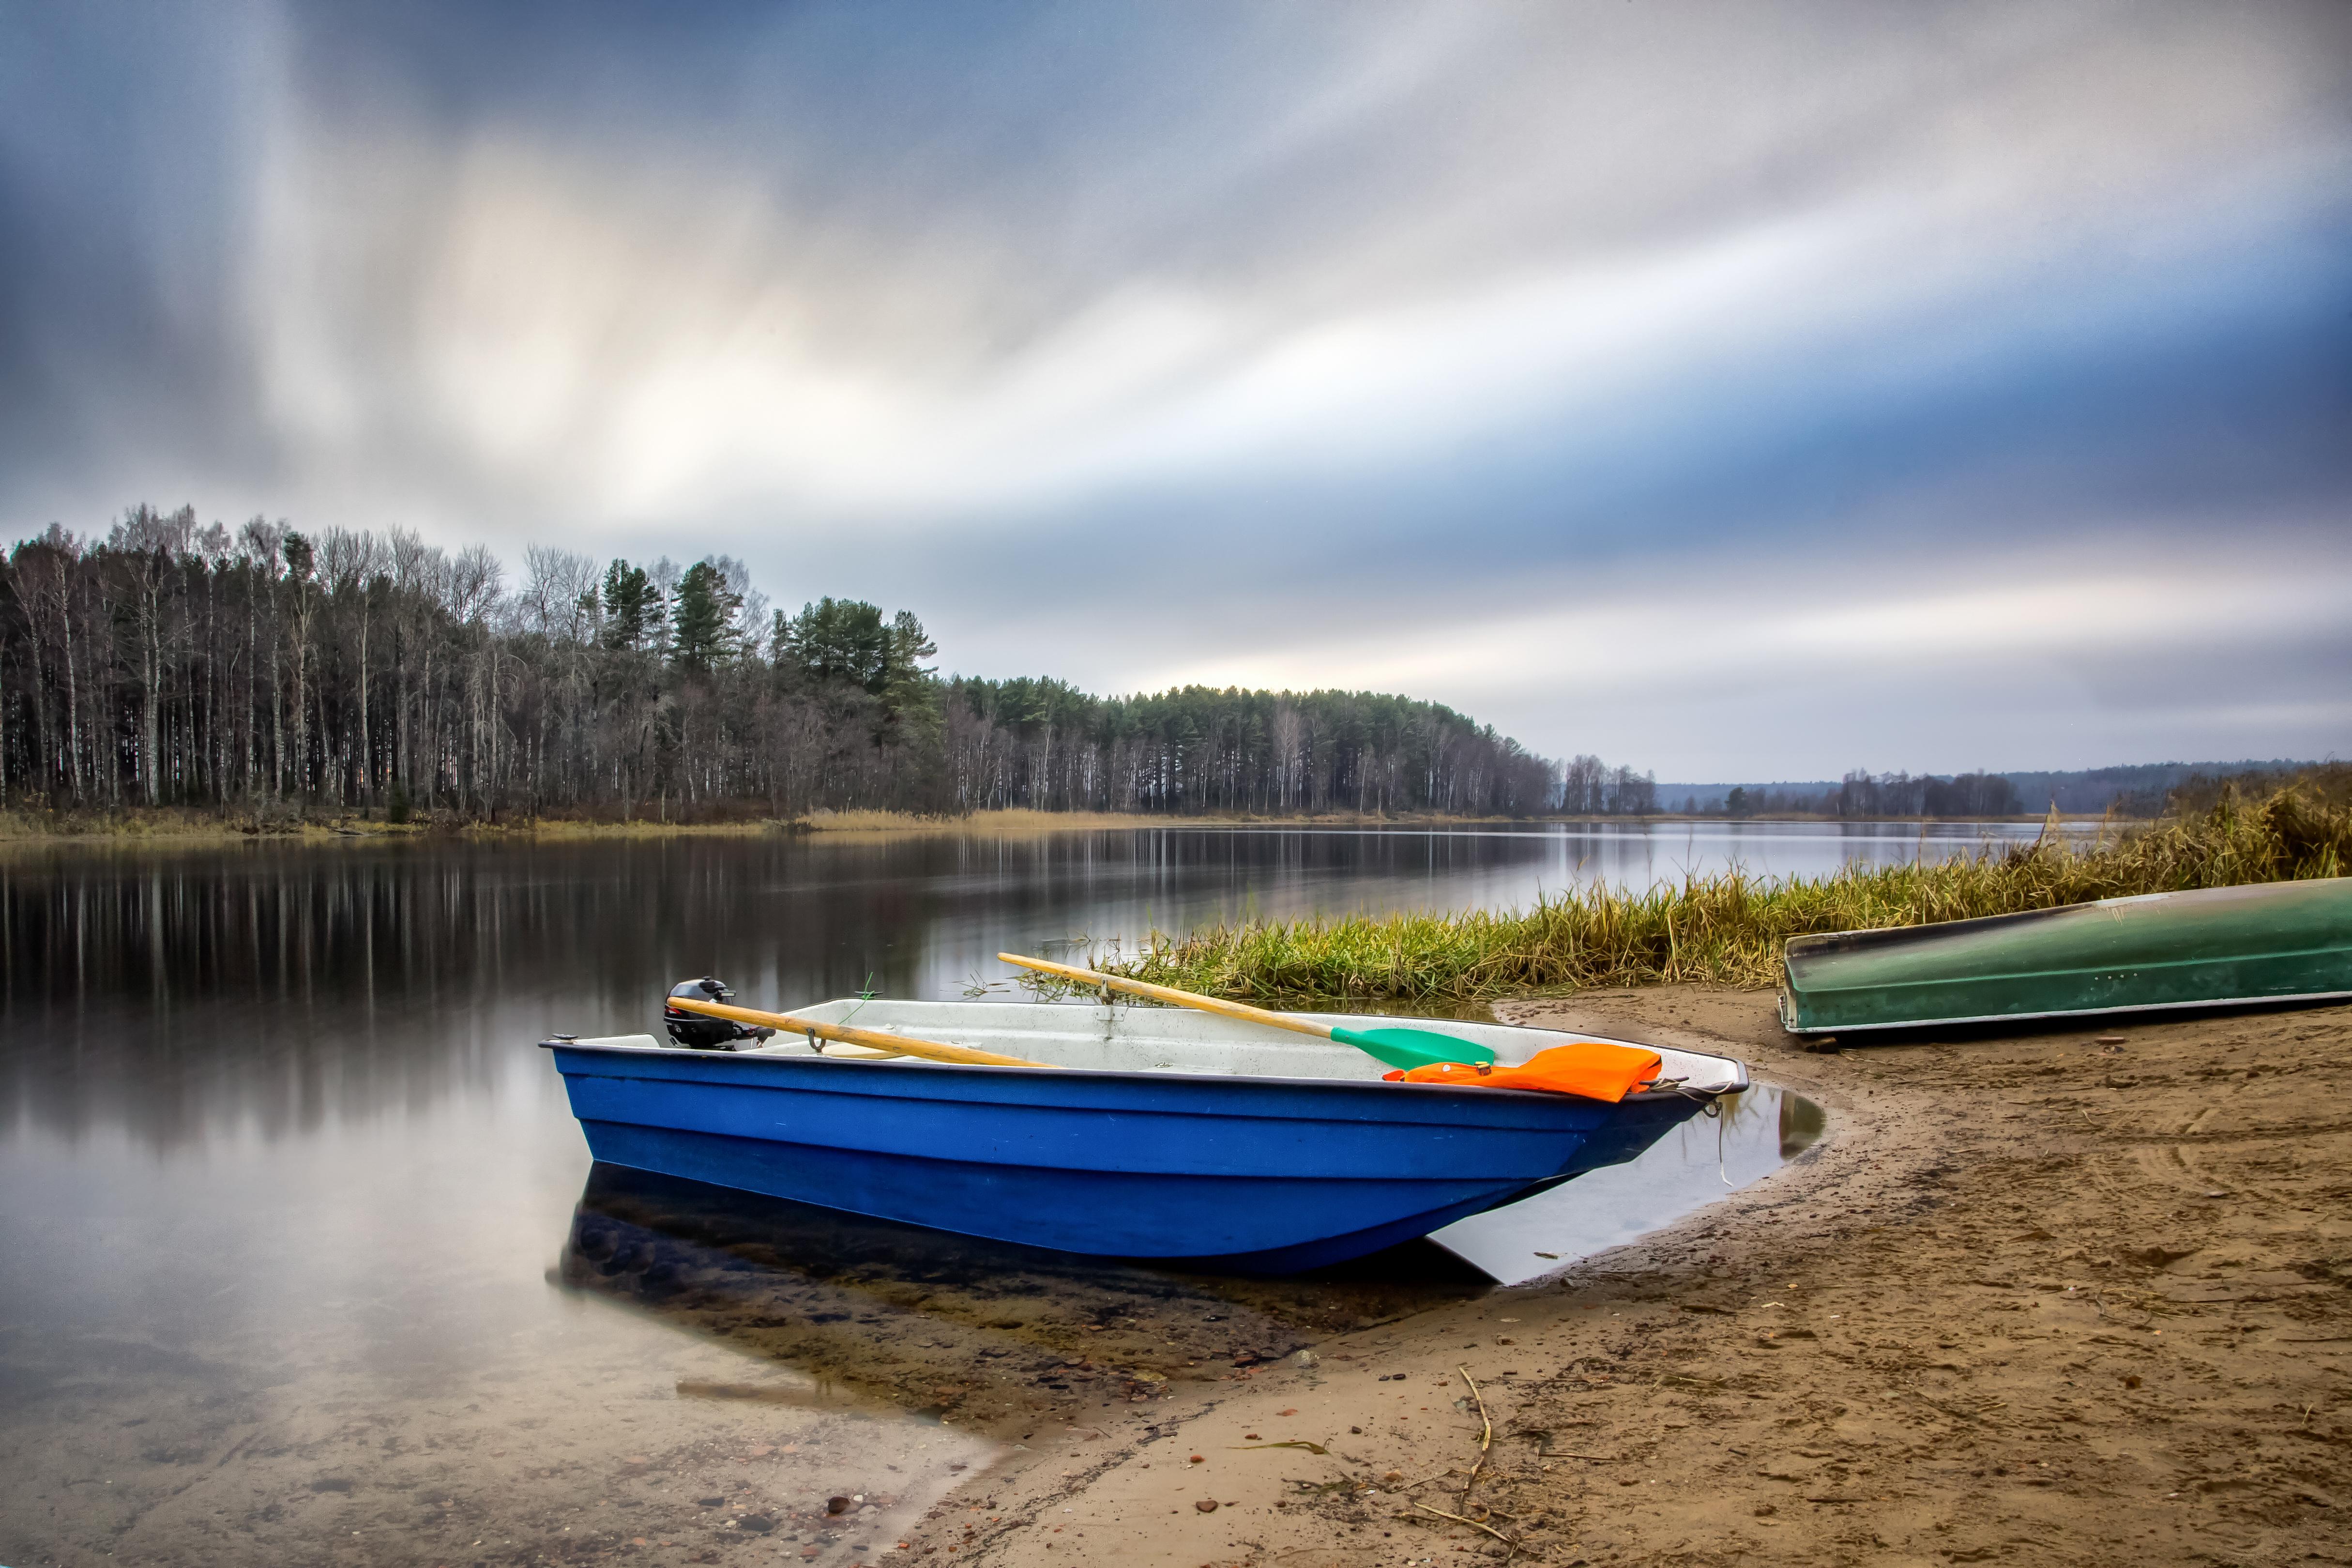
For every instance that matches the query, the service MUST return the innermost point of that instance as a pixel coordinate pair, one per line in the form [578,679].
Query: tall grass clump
[1729,927]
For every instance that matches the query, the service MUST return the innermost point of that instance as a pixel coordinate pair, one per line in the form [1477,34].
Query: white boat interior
[1124,1037]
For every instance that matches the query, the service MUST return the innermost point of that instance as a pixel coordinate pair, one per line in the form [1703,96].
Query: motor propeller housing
[700,1032]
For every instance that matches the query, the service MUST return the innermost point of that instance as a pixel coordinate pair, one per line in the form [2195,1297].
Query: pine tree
[703,632]
[630,605]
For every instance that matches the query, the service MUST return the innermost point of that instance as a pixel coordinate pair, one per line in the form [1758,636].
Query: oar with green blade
[1406,1048]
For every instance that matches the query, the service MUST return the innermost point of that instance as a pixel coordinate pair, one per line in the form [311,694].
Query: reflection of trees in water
[178,992]
[929,1320]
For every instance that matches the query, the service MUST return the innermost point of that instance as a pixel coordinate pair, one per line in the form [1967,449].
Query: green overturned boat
[2275,942]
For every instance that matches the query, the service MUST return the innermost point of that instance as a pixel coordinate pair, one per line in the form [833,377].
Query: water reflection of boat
[1170,1135]
[844,1309]
[1801,1124]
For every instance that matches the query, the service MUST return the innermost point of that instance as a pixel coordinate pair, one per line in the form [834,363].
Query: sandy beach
[2076,1297]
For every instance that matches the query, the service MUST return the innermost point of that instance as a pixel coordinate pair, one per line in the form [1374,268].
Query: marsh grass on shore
[1729,927]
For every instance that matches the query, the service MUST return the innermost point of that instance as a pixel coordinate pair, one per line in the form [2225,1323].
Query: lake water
[305,1255]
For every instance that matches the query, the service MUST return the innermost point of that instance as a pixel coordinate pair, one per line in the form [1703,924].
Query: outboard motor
[700,1032]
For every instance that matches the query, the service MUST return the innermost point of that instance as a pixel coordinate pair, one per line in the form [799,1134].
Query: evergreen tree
[903,649]
[630,606]
[703,630]
[839,639]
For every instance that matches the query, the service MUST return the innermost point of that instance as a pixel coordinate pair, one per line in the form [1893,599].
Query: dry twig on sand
[1486,1441]
[1473,1524]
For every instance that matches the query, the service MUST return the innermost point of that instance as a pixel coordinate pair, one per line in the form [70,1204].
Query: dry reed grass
[1729,927]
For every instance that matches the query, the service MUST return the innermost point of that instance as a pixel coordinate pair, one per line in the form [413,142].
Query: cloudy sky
[1739,389]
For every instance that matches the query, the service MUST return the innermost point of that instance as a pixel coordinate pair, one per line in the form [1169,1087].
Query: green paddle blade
[1409,1049]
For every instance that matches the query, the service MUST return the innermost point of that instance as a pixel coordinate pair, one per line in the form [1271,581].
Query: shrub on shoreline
[1729,927]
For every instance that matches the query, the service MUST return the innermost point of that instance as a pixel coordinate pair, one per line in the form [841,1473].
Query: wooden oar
[1405,1049]
[929,1050]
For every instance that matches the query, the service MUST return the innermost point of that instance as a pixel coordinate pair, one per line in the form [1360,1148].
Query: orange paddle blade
[1587,1067]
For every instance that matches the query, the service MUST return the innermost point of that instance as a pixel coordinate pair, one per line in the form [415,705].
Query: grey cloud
[1418,305]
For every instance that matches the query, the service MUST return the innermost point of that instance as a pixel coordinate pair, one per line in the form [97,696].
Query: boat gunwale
[1862,938]
[916,1064]
[1838,953]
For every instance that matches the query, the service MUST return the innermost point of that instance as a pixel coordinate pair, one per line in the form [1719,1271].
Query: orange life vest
[1590,1067]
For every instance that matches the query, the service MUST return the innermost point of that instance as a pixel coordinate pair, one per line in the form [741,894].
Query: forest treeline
[1862,794]
[266,669]
[2128,789]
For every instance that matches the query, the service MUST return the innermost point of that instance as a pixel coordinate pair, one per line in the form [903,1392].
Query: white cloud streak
[486,317]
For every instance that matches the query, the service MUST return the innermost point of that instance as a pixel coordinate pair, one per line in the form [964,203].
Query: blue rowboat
[1169,1134]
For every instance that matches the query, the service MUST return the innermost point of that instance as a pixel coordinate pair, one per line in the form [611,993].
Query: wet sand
[2079,1297]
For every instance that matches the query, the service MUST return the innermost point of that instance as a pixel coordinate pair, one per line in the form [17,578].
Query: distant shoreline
[181,825]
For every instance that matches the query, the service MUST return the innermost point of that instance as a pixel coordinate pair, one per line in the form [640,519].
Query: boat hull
[2271,942]
[1260,1174]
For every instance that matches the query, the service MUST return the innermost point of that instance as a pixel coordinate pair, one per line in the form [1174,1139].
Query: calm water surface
[304,1249]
